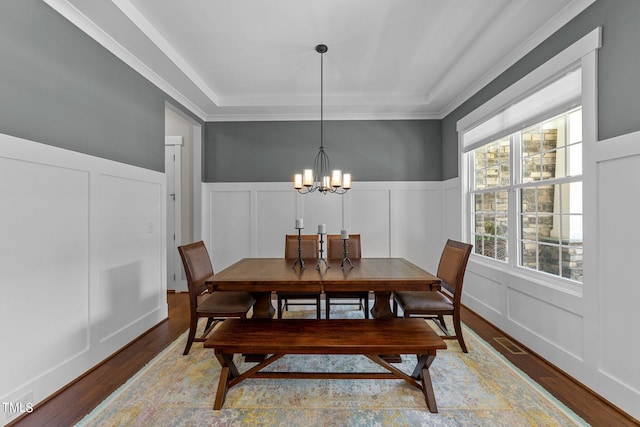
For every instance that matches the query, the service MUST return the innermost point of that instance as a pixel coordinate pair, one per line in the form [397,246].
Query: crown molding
[291,117]
[558,21]
[165,47]
[77,18]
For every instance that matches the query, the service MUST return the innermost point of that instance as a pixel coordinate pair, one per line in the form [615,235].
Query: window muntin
[492,172]
[541,166]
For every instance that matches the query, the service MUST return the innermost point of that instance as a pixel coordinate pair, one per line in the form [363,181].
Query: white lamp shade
[307,178]
[346,181]
[326,182]
[336,178]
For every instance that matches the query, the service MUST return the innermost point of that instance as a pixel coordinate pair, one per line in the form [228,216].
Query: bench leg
[424,361]
[222,389]
[427,389]
[226,361]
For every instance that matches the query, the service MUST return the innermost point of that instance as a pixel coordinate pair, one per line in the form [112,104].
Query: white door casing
[173,162]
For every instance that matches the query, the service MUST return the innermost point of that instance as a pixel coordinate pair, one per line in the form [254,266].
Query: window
[521,167]
[541,168]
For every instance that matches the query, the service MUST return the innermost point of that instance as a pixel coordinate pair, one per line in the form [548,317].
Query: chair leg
[444,325]
[210,320]
[395,308]
[318,307]
[458,329]
[366,308]
[279,307]
[438,320]
[192,334]
[327,306]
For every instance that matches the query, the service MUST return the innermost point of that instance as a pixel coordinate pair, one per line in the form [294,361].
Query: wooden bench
[370,338]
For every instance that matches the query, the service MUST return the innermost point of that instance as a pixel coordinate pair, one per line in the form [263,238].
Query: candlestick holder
[346,254]
[299,260]
[321,259]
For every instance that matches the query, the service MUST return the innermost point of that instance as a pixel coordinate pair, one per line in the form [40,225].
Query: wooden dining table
[382,276]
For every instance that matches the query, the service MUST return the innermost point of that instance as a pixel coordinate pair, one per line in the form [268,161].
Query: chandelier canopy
[321,177]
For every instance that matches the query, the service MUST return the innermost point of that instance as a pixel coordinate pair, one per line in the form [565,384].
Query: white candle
[299,224]
[297,181]
[336,178]
[346,181]
[344,234]
[307,179]
[326,183]
[322,228]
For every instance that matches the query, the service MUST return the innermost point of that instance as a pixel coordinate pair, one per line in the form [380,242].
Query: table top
[367,274]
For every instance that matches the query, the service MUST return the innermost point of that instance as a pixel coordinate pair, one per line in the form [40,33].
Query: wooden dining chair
[309,252]
[214,306]
[335,250]
[435,305]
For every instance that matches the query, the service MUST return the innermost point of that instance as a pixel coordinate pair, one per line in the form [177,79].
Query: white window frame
[583,53]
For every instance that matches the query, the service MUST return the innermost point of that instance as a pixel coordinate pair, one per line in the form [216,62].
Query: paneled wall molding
[399,218]
[612,297]
[585,332]
[83,246]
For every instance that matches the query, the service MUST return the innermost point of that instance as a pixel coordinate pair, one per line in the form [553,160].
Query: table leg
[381,307]
[263,308]
[382,310]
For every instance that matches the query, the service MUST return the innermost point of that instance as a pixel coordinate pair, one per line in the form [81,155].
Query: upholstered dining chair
[335,250]
[435,305]
[214,306]
[308,252]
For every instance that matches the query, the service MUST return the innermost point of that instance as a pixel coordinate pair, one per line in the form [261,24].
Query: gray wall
[60,87]
[618,73]
[392,150]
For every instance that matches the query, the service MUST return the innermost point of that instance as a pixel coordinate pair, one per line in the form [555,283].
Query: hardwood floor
[79,398]
[593,409]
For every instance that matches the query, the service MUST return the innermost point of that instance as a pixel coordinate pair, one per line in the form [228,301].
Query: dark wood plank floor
[75,401]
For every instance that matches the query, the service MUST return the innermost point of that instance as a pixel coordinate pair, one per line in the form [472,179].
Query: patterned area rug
[480,388]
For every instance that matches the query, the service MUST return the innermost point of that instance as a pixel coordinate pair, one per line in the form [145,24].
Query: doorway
[173,171]
[183,142]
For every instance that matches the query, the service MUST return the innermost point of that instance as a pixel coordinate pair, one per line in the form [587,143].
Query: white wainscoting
[82,262]
[588,333]
[617,292]
[398,219]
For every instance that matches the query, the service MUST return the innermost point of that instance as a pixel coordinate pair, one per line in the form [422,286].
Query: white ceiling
[256,59]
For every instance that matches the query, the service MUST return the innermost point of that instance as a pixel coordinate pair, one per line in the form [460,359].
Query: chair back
[308,246]
[335,246]
[453,264]
[197,267]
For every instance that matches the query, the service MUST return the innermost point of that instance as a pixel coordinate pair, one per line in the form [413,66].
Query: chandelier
[321,177]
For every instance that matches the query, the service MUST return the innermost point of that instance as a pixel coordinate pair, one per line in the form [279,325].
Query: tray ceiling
[256,59]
